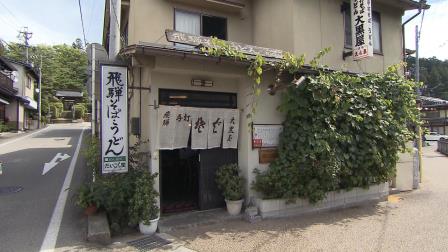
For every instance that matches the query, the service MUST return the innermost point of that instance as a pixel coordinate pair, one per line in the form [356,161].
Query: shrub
[230,182]
[3,127]
[56,109]
[114,192]
[143,204]
[80,110]
[341,131]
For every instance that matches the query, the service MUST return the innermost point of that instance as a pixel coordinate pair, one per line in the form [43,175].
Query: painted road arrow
[55,161]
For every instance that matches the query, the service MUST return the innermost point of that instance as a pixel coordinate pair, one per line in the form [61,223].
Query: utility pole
[114,34]
[93,123]
[417,80]
[40,94]
[26,37]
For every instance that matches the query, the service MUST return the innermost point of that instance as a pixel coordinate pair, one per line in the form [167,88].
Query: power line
[82,23]
[16,21]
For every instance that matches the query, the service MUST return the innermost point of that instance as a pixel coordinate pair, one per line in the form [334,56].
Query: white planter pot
[234,206]
[148,229]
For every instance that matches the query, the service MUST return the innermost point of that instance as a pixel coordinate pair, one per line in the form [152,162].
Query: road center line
[51,236]
[30,135]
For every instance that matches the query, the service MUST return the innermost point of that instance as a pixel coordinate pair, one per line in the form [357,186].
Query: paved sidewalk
[413,221]
[8,136]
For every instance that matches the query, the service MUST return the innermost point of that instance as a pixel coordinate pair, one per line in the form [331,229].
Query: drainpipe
[114,34]
[422,2]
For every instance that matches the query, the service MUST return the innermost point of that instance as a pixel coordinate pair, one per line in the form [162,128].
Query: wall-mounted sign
[209,127]
[114,119]
[266,135]
[362,33]
[266,156]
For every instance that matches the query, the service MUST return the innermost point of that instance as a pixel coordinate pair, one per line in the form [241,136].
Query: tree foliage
[433,74]
[63,67]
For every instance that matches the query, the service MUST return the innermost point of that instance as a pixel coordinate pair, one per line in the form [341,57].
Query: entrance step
[194,219]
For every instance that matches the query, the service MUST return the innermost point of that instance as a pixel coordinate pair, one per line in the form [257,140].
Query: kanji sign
[209,127]
[362,33]
[114,119]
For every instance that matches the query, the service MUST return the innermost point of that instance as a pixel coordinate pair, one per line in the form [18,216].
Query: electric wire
[16,21]
[82,23]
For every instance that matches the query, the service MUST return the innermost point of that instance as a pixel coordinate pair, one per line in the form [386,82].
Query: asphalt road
[43,210]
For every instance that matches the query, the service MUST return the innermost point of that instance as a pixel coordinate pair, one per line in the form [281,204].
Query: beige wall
[156,73]
[150,18]
[299,26]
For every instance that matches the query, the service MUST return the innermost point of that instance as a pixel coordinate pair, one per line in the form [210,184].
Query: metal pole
[114,37]
[417,80]
[40,94]
[93,118]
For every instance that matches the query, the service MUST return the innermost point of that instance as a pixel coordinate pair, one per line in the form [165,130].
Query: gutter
[420,8]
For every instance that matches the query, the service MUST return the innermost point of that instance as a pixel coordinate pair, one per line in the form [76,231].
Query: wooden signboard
[266,156]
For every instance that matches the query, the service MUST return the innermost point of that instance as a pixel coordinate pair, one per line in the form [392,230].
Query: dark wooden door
[210,196]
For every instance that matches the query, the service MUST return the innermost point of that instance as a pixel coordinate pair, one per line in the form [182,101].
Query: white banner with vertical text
[362,33]
[114,119]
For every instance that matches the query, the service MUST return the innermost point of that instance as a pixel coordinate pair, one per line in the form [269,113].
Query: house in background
[160,40]
[434,114]
[19,79]
[69,98]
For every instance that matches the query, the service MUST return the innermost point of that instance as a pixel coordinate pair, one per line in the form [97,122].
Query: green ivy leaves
[340,132]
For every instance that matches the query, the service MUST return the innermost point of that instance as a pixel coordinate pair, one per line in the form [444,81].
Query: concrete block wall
[274,208]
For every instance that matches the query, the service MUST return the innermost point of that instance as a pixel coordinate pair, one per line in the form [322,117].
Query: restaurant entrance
[188,176]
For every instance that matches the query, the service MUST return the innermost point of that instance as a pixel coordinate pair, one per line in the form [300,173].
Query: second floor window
[28,82]
[200,24]
[376,26]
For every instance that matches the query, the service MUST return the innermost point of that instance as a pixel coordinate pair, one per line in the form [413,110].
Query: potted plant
[231,184]
[143,208]
[87,199]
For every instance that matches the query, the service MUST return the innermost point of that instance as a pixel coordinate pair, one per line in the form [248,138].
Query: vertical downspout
[140,100]
[407,21]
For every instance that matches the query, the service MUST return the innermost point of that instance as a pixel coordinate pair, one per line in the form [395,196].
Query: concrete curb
[98,229]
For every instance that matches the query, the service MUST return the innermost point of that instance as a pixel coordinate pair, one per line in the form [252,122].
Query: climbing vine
[341,131]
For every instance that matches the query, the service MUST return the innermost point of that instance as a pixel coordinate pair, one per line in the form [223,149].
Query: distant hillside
[434,75]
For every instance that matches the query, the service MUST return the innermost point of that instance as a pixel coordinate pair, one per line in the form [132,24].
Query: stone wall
[273,208]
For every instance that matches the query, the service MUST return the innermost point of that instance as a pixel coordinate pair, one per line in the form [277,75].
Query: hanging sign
[231,122]
[209,127]
[199,128]
[362,33]
[266,135]
[114,119]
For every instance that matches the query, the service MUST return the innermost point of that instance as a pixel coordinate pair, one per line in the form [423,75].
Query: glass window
[376,26]
[198,24]
[187,22]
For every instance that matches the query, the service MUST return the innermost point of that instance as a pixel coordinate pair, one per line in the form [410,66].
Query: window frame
[345,8]
[201,14]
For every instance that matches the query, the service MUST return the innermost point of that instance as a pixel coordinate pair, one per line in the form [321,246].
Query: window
[376,26]
[199,24]
[28,82]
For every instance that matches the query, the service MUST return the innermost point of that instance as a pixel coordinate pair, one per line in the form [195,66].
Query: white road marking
[51,236]
[55,161]
[20,138]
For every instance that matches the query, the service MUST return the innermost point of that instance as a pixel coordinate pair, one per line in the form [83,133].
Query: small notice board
[266,135]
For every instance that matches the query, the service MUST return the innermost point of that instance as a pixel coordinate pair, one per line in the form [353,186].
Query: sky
[58,21]
[51,21]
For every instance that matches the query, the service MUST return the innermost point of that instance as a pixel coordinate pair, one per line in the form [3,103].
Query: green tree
[63,67]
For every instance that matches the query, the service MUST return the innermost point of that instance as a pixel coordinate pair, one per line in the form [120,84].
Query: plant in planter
[231,184]
[87,200]
[143,207]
